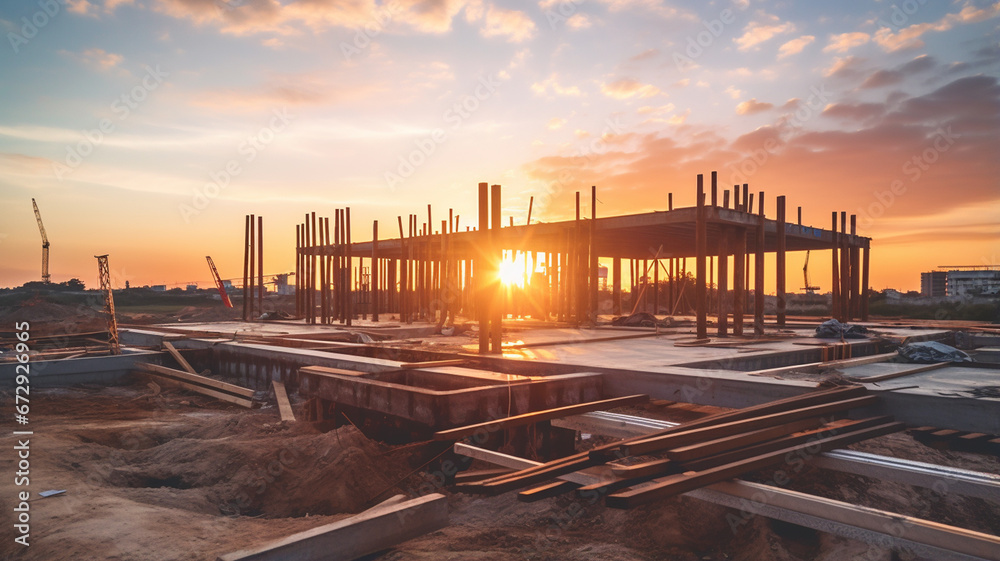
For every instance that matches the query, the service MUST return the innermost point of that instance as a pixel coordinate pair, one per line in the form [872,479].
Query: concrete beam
[371,531]
[106,370]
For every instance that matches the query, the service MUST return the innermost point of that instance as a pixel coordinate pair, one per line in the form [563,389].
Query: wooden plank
[611,451]
[737,427]
[177,356]
[196,379]
[168,381]
[719,445]
[366,533]
[514,462]
[432,364]
[817,366]
[546,491]
[479,474]
[284,407]
[883,377]
[652,467]
[681,483]
[536,416]
[623,426]
[584,459]
[945,433]
[666,465]
[793,502]
[948,538]
[790,440]
[569,464]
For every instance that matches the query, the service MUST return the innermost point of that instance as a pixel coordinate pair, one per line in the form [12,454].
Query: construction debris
[932,351]
[713,440]
[833,329]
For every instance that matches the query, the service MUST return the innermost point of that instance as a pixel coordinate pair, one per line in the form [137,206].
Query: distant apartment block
[961,281]
[934,283]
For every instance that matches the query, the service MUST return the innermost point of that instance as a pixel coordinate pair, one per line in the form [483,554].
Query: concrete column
[845,270]
[375,271]
[482,300]
[348,304]
[758,270]
[780,262]
[701,323]
[835,274]
[723,284]
[616,286]
[864,282]
[592,251]
[496,319]
[739,282]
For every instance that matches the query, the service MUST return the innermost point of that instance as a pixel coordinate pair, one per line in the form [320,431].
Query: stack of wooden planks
[712,449]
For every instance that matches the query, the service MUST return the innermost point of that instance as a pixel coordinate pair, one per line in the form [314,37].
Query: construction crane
[218,283]
[45,244]
[104,273]
[805,273]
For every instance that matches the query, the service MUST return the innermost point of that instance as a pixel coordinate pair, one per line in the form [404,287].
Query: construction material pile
[699,453]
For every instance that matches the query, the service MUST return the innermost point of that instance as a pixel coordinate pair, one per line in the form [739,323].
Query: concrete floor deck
[727,372]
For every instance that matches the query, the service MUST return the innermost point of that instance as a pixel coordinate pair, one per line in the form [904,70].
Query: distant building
[960,282]
[974,282]
[191,287]
[158,288]
[934,283]
[281,285]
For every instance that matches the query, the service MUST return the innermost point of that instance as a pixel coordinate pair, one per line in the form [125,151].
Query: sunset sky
[146,129]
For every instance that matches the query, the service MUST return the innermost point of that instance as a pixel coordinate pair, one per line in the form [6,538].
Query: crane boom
[218,283]
[805,273]
[45,244]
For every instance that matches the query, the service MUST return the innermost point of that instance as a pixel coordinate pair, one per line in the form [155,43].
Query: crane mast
[45,244]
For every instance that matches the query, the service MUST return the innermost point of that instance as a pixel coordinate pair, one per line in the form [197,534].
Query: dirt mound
[52,318]
[249,464]
[141,473]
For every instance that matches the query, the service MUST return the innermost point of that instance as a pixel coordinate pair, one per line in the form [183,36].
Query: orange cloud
[752,106]
[626,88]
[552,83]
[513,25]
[909,37]
[900,163]
[97,58]
[795,46]
[756,33]
[846,41]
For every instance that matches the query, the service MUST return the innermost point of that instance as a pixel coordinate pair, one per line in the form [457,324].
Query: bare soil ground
[183,477]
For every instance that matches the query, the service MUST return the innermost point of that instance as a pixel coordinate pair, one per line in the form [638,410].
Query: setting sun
[512,270]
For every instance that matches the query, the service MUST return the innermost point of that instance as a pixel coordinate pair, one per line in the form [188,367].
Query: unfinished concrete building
[411,345]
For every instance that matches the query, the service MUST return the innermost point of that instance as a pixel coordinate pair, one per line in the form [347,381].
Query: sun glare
[513,270]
